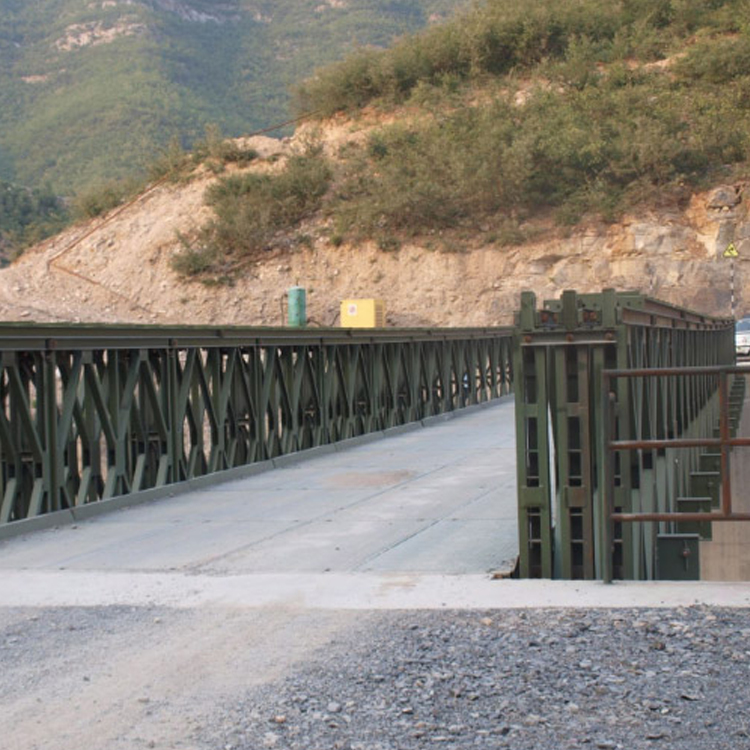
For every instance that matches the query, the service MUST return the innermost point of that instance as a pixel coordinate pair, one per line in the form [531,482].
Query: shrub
[250,208]
[171,162]
[100,199]
[193,261]
[500,37]
[716,61]
[217,150]
[595,148]
[599,140]
[494,38]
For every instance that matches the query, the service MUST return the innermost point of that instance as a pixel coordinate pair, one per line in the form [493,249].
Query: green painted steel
[91,412]
[560,354]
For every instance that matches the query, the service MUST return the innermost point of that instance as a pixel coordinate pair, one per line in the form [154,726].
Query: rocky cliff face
[118,269]
[674,255]
[201,12]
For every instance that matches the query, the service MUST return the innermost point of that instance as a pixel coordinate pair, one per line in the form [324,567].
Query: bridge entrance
[627,414]
[614,420]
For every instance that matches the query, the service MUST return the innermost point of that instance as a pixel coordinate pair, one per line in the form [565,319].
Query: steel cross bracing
[561,353]
[88,413]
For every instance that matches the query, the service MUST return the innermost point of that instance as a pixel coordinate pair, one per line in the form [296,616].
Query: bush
[600,139]
[214,148]
[500,37]
[171,162]
[100,199]
[491,39]
[716,61]
[593,149]
[250,208]
[192,260]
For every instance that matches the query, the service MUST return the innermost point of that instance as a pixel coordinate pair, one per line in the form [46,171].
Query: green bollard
[297,307]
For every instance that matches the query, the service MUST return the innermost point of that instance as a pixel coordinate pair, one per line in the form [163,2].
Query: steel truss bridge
[627,411]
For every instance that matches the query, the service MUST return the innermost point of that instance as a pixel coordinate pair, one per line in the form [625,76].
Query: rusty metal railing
[724,440]
[560,352]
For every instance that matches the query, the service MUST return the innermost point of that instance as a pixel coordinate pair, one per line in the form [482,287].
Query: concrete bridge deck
[436,500]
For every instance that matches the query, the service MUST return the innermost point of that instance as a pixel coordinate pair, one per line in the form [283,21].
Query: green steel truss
[92,412]
[560,353]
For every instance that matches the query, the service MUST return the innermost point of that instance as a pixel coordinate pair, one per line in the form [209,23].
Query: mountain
[90,90]
[578,144]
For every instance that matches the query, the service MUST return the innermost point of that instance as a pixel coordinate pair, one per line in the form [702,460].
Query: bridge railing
[88,413]
[677,458]
[561,353]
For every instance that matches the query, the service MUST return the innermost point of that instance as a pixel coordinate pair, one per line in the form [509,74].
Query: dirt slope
[117,268]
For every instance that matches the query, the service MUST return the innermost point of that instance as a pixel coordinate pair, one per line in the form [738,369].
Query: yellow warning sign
[731,251]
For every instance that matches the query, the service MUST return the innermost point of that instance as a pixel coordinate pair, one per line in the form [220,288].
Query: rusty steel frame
[725,442]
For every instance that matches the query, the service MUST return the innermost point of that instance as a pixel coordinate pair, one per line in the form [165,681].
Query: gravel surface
[139,678]
[127,678]
[666,678]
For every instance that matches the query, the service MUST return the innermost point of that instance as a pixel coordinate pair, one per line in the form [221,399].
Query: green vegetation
[512,112]
[629,138]
[172,163]
[250,209]
[572,117]
[90,91]
[27,216]
[497,38]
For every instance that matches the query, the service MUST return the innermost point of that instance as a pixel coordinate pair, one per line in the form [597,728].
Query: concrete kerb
[400,429]
[92,510]
[39,523]
[353,442]
[229,475]
[299,456]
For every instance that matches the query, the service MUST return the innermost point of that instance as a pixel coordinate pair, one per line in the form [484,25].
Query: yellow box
[363,313]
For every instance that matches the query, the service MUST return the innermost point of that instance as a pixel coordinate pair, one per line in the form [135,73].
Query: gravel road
[133,678]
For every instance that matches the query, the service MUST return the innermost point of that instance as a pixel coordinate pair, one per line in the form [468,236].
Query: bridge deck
[435,500]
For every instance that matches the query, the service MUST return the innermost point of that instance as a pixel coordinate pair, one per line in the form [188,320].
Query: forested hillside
[90,90]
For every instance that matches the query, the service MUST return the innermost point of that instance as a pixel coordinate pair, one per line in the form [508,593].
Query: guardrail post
[532,449]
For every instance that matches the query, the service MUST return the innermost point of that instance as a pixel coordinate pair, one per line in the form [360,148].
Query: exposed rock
[123,264]
[726,196]
[220,12]
[95,33]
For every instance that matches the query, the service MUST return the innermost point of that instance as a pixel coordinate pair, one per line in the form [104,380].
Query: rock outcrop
[118,269]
